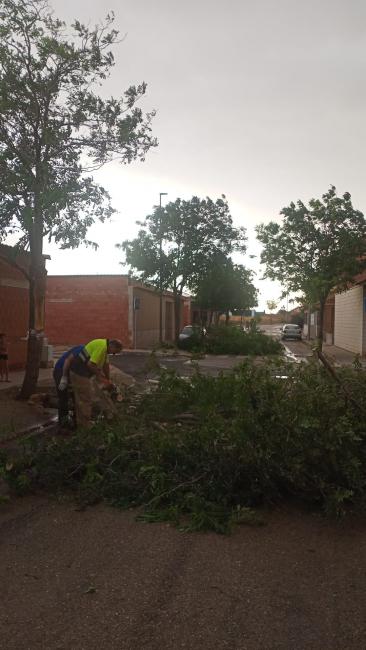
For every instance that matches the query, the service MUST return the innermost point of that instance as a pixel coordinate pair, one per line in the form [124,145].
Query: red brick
[14,301]
[97,308]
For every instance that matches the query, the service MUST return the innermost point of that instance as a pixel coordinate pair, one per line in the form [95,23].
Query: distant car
[291,331]
[190,330]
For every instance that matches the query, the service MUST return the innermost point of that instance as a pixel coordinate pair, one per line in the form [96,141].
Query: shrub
[204,453]
[229,339]
[233,340]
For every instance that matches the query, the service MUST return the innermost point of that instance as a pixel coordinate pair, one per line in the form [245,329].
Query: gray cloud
[263,101]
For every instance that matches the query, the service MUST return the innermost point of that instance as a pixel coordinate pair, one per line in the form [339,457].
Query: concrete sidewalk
[337,356]
[302,350]
[18,415]
[16,378]
[342,357]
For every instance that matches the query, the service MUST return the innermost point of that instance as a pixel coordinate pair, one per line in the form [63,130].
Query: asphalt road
[297,349]
[138,364]
[98,579]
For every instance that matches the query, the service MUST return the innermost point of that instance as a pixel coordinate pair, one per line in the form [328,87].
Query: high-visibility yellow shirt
[98,351]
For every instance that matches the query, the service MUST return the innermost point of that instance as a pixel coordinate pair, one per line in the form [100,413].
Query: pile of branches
[206,453]
[231,339]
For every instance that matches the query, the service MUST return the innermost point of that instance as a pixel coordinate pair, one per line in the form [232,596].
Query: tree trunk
[177,310]
[321,324]
[37,291]
[227,318]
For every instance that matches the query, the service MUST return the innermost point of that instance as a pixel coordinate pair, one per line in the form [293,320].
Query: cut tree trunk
[37,292]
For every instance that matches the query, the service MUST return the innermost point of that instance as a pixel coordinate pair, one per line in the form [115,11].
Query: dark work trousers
[63,399]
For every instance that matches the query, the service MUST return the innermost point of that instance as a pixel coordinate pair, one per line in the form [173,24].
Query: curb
[35,429]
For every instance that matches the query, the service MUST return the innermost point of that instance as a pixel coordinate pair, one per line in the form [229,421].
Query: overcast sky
[262,101]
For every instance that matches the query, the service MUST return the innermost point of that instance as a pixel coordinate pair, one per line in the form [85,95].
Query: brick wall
[14,312]
[82,308]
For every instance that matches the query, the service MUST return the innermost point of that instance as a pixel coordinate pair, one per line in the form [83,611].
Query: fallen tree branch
[174,489]
[328,366]
[184,416]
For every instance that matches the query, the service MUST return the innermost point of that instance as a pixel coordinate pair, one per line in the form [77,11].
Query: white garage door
[348,323]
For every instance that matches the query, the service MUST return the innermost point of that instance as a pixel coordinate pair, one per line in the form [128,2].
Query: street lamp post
[161,271]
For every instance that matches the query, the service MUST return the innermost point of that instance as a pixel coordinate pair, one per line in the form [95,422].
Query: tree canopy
[271,305]
[54,127]
[192,233]
[317,248]
[55,130]
[226,287]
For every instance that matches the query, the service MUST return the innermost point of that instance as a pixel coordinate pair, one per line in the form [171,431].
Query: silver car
[189,330]
[291,331]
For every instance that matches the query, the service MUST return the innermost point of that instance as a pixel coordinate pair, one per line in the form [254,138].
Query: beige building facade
[144,316]
[349,322]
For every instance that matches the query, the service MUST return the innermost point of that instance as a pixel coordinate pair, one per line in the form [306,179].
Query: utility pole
[161,270]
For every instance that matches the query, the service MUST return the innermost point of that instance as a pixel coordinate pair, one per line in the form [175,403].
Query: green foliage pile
[233,340]
[229,339]
[204,453]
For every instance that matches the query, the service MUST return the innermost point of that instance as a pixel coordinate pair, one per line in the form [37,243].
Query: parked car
[190,330]
[291,331]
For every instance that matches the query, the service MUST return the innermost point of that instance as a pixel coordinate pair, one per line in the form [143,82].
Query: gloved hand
[106,384]
[63,383]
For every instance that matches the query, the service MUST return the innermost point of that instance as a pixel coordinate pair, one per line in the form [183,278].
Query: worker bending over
[88,371]
[89,375]
[61,376]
